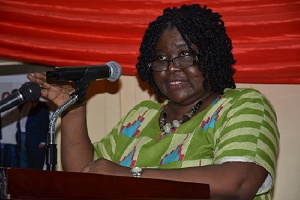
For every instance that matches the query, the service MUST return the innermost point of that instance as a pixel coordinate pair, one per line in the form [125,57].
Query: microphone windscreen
[30,91]
[115,69]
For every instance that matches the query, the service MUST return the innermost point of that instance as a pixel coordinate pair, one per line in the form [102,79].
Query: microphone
[28,92]
[111,71]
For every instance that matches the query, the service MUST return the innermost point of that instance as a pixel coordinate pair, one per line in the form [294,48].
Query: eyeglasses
[179,62]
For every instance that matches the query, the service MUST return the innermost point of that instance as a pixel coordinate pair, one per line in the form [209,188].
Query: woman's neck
[176,111]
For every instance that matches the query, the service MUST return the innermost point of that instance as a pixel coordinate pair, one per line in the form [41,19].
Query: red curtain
[265,33]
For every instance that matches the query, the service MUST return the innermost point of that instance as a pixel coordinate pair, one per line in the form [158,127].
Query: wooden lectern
[31,184]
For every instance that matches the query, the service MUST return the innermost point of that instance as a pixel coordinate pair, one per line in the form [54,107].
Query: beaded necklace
[168,127]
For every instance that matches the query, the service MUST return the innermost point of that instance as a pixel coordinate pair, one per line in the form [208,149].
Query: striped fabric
[238,126]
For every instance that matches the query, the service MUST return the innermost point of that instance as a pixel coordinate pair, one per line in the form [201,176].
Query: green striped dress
[238,126]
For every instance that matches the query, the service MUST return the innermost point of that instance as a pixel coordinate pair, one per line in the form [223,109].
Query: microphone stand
[77,96]
[51,150]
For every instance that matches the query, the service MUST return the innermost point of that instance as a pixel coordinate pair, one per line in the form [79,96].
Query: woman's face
[181,86]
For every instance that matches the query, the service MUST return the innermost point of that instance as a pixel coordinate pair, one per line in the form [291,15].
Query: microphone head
[30,91]
[115,70]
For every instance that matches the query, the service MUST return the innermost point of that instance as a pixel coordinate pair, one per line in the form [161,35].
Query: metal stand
[51,150]
[77,96]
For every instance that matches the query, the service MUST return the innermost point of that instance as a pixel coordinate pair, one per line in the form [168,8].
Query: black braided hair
[201,27]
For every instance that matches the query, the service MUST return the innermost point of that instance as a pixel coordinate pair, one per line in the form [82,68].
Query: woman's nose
[172,66]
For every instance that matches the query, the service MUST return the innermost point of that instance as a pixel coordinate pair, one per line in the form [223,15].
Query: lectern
[32,184]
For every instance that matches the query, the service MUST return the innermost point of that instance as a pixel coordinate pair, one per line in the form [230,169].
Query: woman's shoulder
[145,108]
[149,104]
[243,93]
[243,96]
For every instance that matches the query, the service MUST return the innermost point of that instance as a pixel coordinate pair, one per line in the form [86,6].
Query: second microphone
[111,71]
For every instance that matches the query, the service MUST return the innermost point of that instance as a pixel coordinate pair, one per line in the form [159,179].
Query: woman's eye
[185,53]
[161,57]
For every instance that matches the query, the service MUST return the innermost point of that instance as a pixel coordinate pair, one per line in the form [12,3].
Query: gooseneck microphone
[82,77]
[110,71]
[29,91]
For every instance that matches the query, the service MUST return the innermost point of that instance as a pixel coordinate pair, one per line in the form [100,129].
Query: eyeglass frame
[195,56]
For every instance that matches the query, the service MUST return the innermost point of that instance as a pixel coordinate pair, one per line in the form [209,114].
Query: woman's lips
[178,84]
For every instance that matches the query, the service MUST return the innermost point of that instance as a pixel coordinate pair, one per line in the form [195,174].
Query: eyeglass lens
[179,62]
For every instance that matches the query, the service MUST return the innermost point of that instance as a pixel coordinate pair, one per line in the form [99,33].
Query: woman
[206,131]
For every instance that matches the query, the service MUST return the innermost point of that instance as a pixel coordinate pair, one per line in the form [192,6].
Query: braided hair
[201,27]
